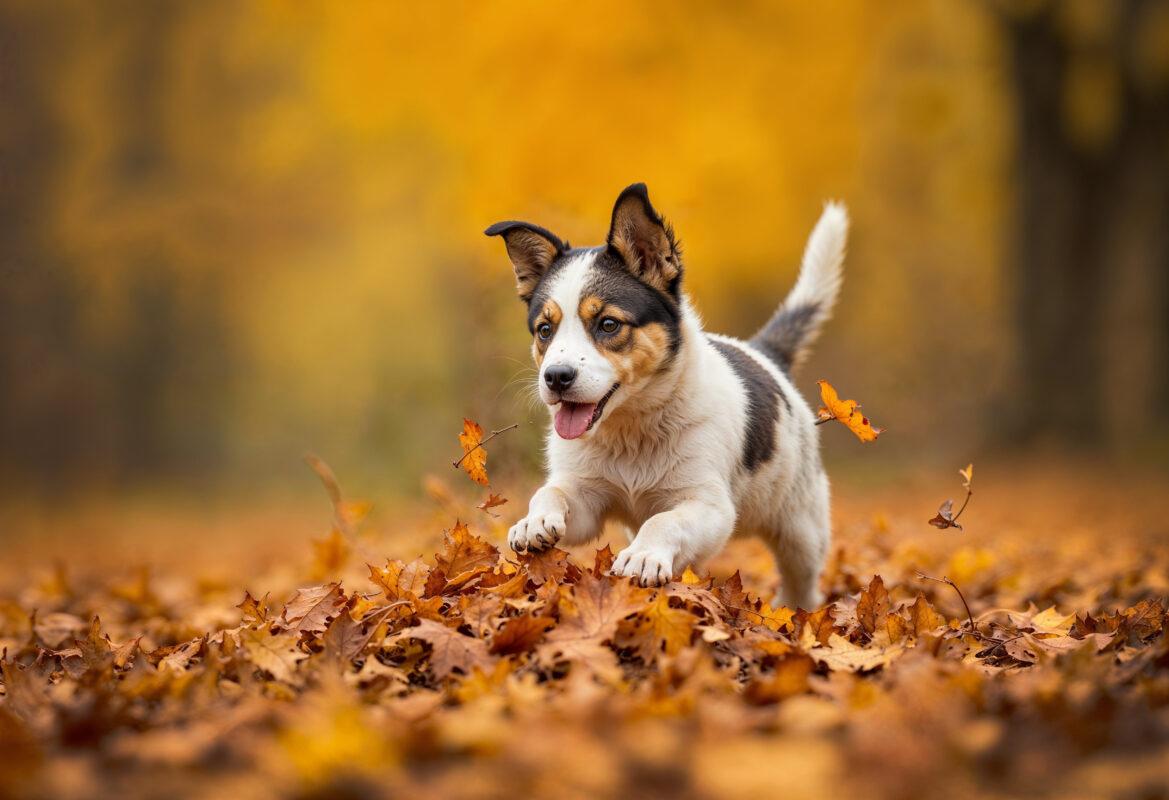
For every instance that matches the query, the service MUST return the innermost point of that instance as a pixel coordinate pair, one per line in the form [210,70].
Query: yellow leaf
[847,412]
[474,460]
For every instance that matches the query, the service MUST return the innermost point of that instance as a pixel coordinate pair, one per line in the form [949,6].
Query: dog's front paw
[536,532]
[647,566]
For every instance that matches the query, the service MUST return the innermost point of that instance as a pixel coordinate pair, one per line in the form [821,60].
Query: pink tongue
[572,419]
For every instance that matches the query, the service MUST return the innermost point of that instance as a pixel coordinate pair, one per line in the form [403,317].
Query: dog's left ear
[643,241]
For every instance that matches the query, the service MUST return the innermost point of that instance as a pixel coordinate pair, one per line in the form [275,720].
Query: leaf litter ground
[358,668]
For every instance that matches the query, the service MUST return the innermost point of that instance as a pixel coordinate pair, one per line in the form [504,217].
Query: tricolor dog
[682,436]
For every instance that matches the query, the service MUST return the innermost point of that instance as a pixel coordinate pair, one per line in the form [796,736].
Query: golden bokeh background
[234,232]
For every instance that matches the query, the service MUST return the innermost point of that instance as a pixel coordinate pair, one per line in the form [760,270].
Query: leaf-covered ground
[470,672]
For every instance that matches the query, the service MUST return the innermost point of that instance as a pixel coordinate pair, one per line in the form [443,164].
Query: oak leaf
[450,650]
[873,605]
[923,617]
[344,639]
[310,610]
[815,627]
[255,611]
[847,412]
[474,461]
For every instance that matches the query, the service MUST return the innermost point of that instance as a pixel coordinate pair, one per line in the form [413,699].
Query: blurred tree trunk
[1092,117]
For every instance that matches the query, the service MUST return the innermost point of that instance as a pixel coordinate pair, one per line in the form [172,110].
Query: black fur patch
[612,282]
[763,396]
[783,334]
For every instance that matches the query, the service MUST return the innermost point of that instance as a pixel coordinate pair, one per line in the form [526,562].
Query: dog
[682,436]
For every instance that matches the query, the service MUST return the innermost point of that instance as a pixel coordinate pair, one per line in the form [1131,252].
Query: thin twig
[485,441]
[822,420]
[961,597]
[965,503]
[744,610]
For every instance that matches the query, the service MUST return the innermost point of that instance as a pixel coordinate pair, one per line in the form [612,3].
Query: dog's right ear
[531,250]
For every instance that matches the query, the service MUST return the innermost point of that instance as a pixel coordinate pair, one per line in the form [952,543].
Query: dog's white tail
[788,336]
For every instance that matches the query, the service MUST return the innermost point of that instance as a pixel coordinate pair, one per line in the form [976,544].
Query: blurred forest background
[234,232]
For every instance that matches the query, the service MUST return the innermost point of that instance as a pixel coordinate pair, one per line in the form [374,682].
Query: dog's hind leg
[800,547]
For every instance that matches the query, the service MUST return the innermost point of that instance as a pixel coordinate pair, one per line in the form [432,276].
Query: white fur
[665,459]
[572,346]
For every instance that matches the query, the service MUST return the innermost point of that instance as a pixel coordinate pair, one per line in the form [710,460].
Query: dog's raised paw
[647,567]
[535,533]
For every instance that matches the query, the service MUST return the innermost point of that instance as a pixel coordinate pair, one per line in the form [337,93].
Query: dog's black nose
[559,377]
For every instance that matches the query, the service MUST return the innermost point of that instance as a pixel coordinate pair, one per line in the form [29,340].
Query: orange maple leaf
[465,553]
[847,412]
[492,501]
[474,460]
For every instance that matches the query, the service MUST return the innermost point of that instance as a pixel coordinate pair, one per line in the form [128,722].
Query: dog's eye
[544,331]
[610,325]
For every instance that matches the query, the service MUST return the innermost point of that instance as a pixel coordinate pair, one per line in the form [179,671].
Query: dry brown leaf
[451,650]
[310,610]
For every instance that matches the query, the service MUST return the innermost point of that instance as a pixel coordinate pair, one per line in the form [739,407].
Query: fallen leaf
[255,611]
[520,634]
[276,654]
[399,580]
[310,610]
[464,553]
[450,650]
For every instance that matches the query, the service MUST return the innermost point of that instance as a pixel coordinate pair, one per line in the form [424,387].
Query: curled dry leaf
[945,517]
[846,412]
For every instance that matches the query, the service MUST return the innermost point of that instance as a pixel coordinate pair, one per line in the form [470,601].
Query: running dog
[684,437]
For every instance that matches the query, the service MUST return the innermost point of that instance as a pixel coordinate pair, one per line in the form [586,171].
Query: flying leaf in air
[491,502]
[945,517]
[847,412]
[474,460]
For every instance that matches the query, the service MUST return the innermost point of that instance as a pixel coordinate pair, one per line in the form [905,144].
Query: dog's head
[605,321]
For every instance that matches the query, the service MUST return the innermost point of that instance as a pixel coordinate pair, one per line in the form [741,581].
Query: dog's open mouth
[573,420]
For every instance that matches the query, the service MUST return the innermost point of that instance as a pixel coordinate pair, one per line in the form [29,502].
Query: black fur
[783,334]
[500,228]
[613,283]
[763,396]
